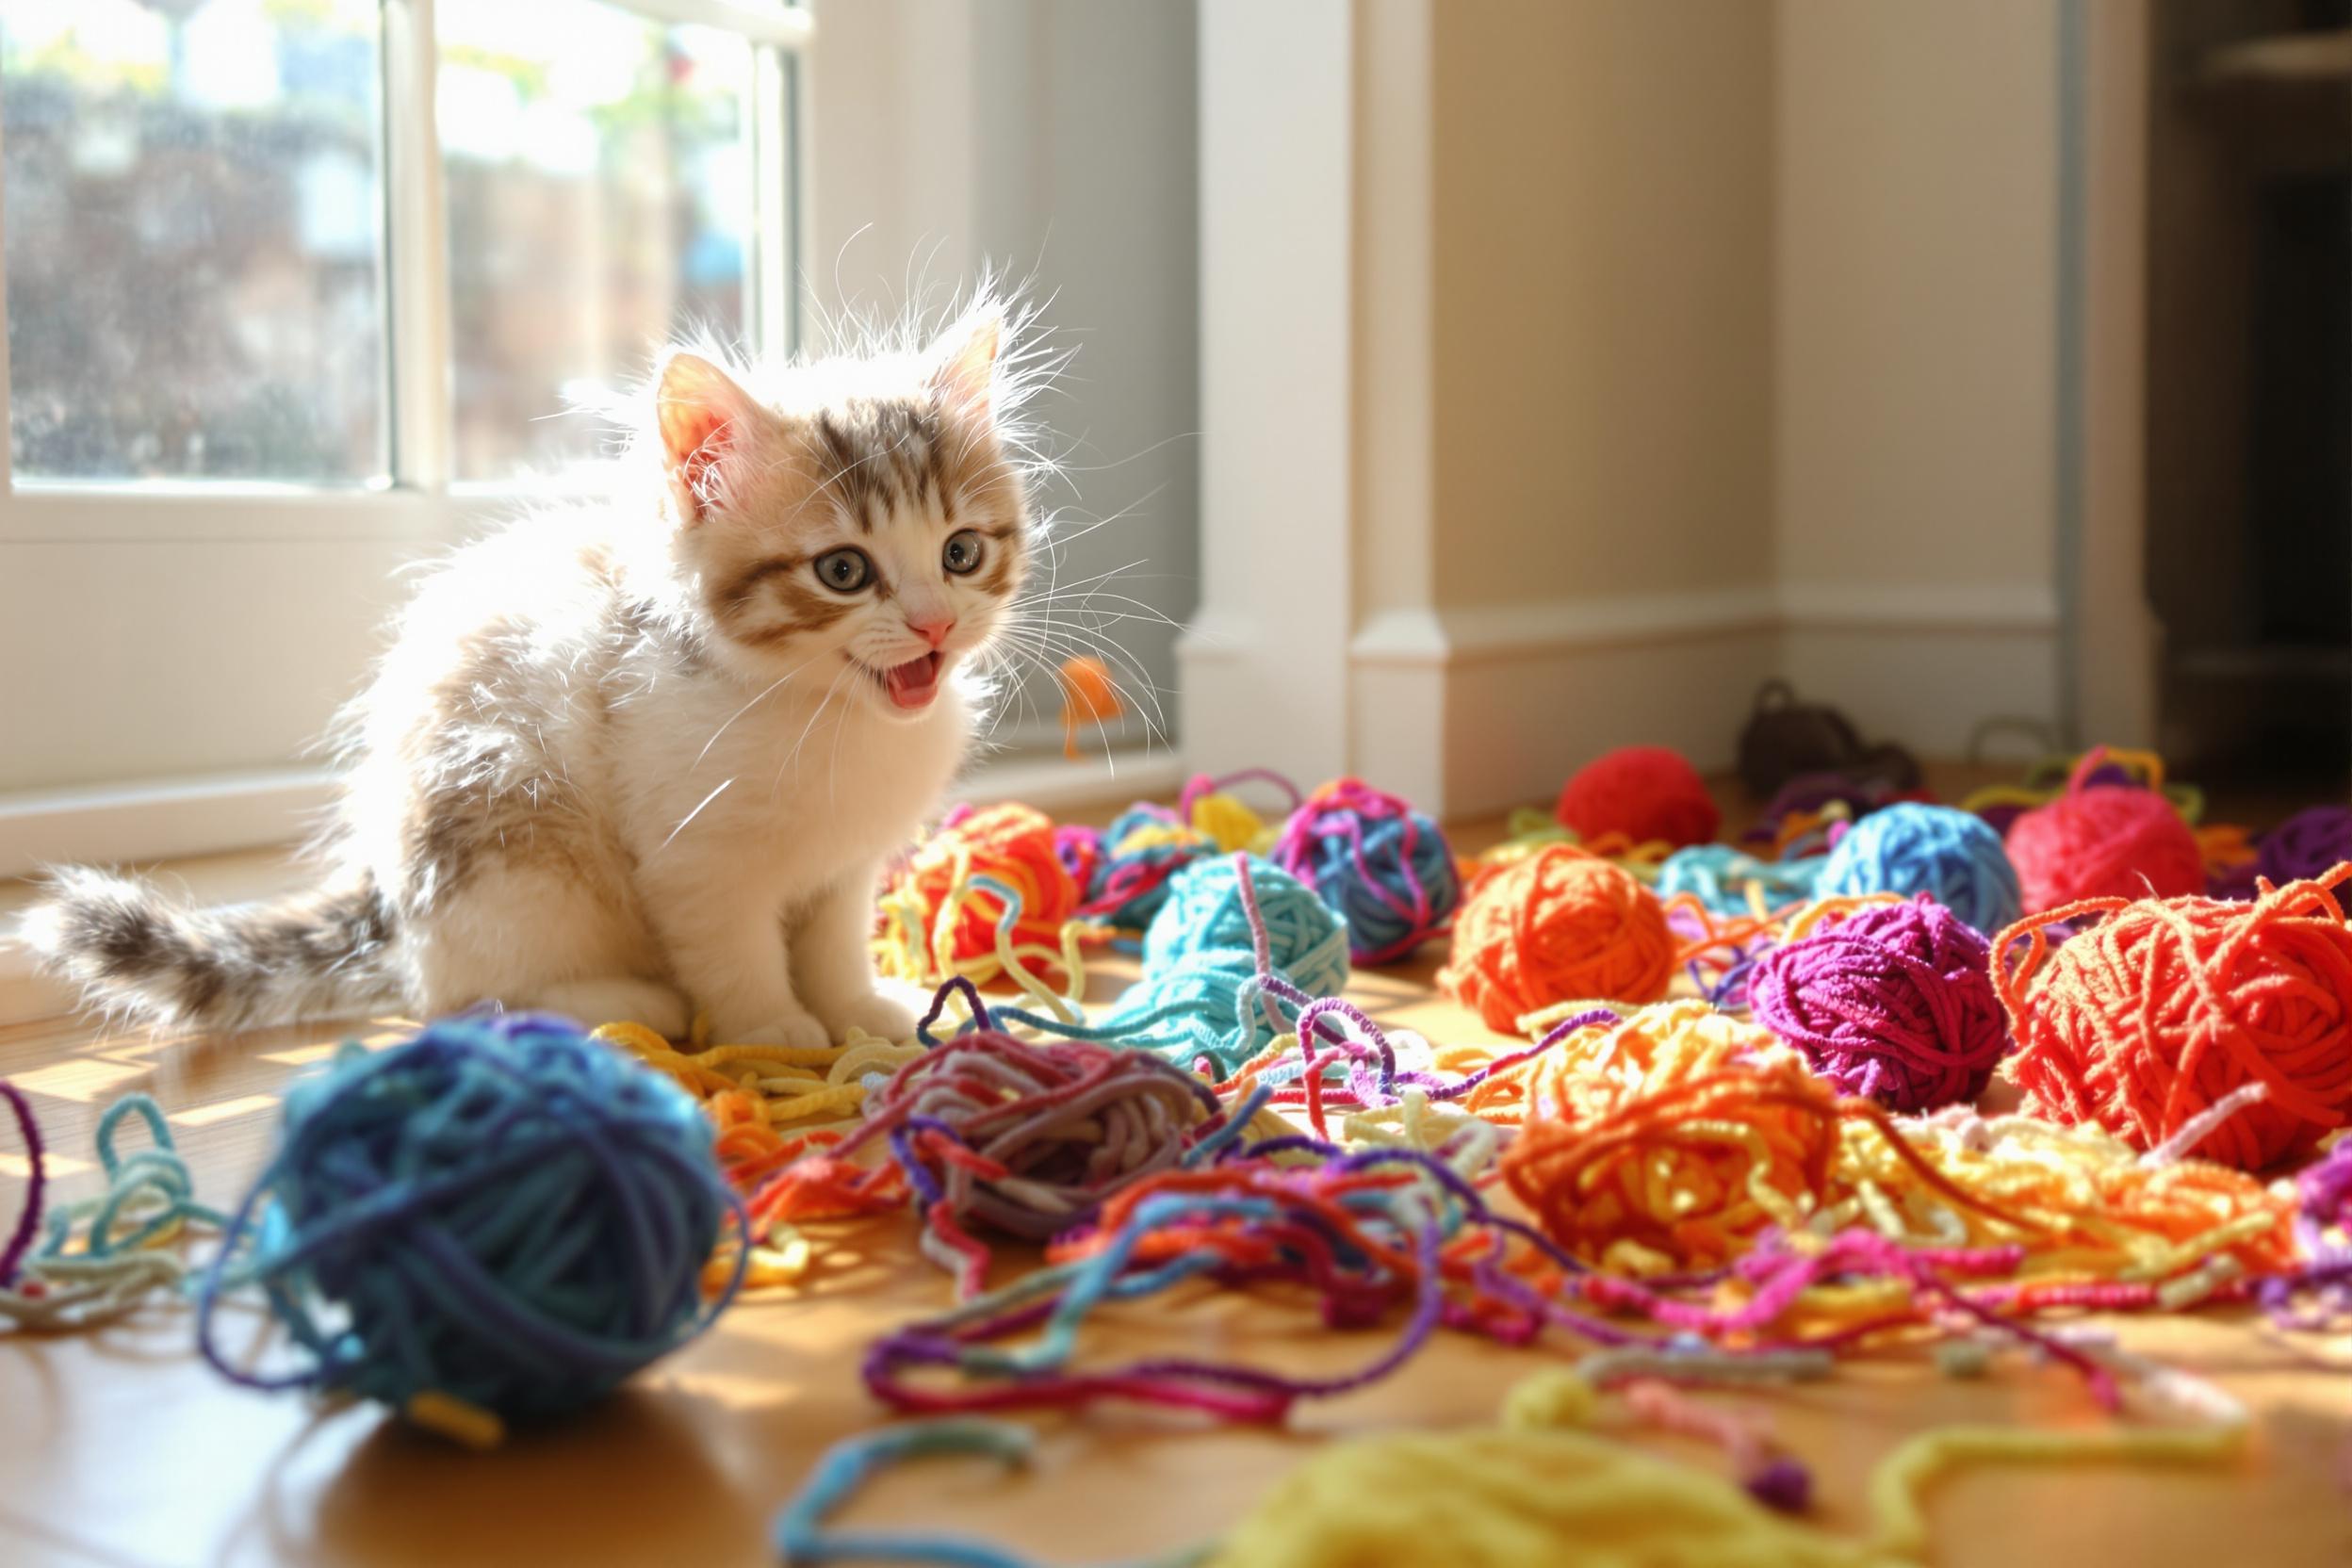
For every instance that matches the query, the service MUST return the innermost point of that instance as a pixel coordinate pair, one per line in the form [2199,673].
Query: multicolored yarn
[2317,1295]
[986,896]
[2306,845]
[1556,926]
[1205,914]
[1796,823]
[103,1257]
[2001,805]
[1644,793]
[1730,881]
[2103,841]
[1909,848]
[498,1218]
[1028,1139]
[747,1088]
[1893,1003]
[1385,867]
[2162,1006]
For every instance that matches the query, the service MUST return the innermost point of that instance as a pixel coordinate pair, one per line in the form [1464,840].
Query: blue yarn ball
[1385,867]
[1909,848]
[500,1210]
[1205,913]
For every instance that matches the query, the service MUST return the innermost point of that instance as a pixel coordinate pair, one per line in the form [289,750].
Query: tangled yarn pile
[1911,848]
[1644,793]
[1730,881]
[1028,1138]
[986,893]
[2166,1007]
[1557,925]
[1893,1003]
[500,1219]
[1385,867]
[2103,840]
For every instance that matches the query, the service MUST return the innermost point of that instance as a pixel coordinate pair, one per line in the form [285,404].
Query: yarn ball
[1894,1003]
[1602,1162]
[1646,793]
[1385,867]
[1205,1005]
[500,1212]
[2165,1005]
[1909,848]
[2103,840]
[1557,925]
[1144,846]
[1011,844]
[2306,845]
[1729,881]
[1205,913]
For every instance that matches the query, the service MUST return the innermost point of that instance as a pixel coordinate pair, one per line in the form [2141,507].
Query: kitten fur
[627,760]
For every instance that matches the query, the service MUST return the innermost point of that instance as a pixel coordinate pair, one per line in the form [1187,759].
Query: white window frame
[54,532]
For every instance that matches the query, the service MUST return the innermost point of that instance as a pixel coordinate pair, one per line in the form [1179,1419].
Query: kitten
[630,759]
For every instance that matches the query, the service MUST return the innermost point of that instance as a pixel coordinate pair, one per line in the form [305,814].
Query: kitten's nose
[933,633]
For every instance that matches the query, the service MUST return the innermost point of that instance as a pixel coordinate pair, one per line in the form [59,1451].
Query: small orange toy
[1089,696]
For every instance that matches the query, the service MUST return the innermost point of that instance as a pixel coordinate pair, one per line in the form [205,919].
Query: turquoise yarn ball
[500,1210]
[1720,877]
[1306,939]
[1200,1004]
[1909,848]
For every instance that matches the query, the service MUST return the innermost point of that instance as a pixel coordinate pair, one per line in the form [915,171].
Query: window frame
[419,501]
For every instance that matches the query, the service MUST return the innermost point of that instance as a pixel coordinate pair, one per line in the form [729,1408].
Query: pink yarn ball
[1894,1004]
[2106,841]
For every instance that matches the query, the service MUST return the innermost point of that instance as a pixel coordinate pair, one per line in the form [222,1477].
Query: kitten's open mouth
[913,684]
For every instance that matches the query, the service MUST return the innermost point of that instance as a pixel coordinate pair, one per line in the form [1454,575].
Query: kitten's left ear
[963,361]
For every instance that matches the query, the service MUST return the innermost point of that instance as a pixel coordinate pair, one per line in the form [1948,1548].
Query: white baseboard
[162,820]
[1471,709]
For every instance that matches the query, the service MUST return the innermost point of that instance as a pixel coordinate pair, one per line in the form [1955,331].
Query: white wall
[1915,361]
[1054,140]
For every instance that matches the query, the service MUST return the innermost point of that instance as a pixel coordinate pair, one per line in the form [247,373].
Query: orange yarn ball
[1645,792]
[1014,844]
[1672,1138]
[2106,842]
[1559,925]
[2167,1006]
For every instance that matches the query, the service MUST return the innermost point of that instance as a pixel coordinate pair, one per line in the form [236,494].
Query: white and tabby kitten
[630,759]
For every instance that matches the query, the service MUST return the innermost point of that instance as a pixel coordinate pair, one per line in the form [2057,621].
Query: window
[227,260]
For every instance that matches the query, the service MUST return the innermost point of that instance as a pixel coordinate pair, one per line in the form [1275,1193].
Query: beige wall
[1917,293]
[1602,182]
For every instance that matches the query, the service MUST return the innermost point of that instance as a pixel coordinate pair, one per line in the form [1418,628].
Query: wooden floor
[120,1447]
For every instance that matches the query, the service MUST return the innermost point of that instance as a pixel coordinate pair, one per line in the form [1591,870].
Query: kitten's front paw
[876,1014]
[794,1031]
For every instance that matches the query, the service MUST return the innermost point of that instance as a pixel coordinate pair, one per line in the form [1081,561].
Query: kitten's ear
[963,361]
[703,416]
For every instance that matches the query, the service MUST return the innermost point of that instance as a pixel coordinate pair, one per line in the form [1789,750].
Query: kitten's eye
[844,571]
[962,555]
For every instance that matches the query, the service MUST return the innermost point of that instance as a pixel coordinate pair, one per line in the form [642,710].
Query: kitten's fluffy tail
[138,954]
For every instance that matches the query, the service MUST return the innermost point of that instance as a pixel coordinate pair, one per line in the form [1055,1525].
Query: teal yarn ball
[1908,848]
[1721,878]
[1305,939]
[500,1210]
[1202,1004]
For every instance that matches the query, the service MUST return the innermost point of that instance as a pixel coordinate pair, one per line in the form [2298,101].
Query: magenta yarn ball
[1894,1004]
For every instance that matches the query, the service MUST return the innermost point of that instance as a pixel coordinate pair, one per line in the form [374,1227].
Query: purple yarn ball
[1894,1004]
[2309,843]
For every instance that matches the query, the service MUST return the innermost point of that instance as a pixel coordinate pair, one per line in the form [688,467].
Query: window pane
[194,199]
[599,187]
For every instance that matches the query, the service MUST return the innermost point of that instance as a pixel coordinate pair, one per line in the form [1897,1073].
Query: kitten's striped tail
[136,953]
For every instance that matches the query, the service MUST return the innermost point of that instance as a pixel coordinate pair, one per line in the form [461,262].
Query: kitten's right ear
[704,417]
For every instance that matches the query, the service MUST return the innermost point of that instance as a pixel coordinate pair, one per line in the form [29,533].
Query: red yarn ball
[2108,840]
[1559,925]
[1644,793]
[2166,1005]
